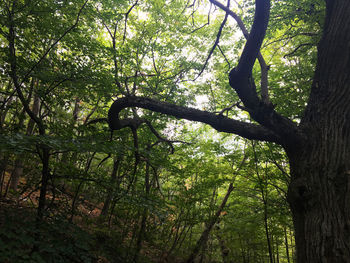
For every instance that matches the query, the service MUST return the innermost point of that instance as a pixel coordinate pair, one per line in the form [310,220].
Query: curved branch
[240,77]
[256,37]
[233,15]
[241,81]
[296,49]
[275,128]
[264,67]
[218,122]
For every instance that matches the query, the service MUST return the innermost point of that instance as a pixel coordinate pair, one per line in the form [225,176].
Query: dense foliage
[155,192]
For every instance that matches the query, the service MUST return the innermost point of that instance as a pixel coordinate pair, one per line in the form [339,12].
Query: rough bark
[320,190]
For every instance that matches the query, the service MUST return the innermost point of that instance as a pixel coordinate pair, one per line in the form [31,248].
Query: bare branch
[198,28]
[223,54]
[227,108]
[104,159]
[98,120]
[233,15]
[297,48]
[92,112]
[216,41]
[160,138]
[264,80]
[207,23]
[126,18]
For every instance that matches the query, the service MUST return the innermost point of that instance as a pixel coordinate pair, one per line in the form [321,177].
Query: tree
[317,146]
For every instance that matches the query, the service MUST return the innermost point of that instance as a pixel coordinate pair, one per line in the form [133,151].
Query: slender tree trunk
[292,246]
[286,244]
[18,170]
[75,201]
[5,108]
[17,173]
[204,237]
[176,225]
[35,110]
[77,191]
[141,235]
[223,248]
[144,216]
[76,110]
[3,165]
[242,248]
[45,175]
[111,188]
[267,232]
[203,254]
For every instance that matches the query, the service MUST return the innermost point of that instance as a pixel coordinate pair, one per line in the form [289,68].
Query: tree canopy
[174,131]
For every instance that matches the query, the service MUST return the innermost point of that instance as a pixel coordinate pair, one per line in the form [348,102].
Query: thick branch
[218,122]
[256,37]
[264,80]
[240,77]
[263,66]
[276,127]
[241,80]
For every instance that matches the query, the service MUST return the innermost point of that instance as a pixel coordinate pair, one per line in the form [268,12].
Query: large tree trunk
[320,203]
[319,194]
